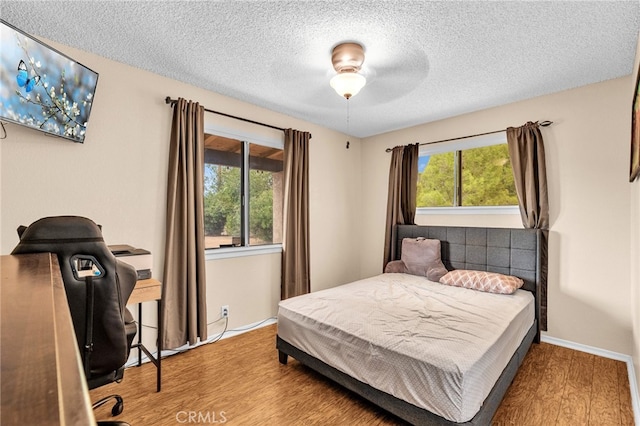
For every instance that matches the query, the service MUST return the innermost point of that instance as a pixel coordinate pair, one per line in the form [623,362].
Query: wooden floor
[239,381]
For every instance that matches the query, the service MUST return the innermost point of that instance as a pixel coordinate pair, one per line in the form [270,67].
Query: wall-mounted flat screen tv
[42,88]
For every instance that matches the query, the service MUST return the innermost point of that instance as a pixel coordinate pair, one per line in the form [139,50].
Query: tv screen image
[42,88]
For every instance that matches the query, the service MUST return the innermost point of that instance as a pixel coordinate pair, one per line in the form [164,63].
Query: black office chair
[97,286]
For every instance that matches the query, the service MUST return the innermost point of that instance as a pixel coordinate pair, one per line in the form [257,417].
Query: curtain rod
[543,124]
[168,100]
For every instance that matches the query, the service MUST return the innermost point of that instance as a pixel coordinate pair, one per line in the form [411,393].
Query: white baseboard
[633,383]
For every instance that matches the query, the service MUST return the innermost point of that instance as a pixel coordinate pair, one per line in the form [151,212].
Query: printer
[138,258]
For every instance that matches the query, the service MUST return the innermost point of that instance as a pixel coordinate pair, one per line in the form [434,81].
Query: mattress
[438,347]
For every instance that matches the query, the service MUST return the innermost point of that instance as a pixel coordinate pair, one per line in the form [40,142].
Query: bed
[368,335]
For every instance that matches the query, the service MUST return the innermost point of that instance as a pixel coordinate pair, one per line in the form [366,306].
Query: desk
[43,381]
[147,291]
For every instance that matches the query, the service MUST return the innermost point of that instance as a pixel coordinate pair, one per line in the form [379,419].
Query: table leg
[159,345]
[139,334]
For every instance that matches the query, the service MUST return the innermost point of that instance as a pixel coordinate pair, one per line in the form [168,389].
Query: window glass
[482,176]
[436,177]
[265,194]
[222,191]
[487,178]
[242,193]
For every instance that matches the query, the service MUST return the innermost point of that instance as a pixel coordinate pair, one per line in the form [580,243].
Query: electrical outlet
[224,311]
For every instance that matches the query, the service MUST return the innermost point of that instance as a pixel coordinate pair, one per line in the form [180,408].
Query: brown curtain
[401,201]
[295,236]
[526,151]
[184,301]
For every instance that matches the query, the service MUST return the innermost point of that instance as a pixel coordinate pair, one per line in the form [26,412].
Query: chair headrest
[61,228]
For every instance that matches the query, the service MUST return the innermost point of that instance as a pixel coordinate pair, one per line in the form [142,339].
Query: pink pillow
[421,256]
[395,266]
[490,282]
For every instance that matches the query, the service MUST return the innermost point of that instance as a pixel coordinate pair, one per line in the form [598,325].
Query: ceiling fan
[347,59]
[390,68]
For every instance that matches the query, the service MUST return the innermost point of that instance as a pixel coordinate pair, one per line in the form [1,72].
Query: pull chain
[348,130]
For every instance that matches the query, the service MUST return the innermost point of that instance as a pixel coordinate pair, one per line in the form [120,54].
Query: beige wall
[118,178]
[587,159]
[635,247]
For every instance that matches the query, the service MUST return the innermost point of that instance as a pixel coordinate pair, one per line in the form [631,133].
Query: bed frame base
[519,252]
[402,409]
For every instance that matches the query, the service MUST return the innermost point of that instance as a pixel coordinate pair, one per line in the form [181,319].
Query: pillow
[421,256]
[395,266]
[490,282]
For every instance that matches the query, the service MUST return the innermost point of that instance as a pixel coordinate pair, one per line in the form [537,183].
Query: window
[466,174]
[242,193]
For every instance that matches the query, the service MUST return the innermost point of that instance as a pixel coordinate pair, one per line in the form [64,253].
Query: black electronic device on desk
[140,259]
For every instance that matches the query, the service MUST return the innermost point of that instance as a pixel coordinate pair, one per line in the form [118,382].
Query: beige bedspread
[438,347]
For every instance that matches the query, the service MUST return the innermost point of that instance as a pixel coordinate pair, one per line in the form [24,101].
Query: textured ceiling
[424,60]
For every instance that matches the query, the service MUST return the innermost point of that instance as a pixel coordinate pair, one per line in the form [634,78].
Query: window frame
[246,138]
[459,145]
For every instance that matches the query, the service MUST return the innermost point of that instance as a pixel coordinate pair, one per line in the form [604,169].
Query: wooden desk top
[42,378]
[145,291]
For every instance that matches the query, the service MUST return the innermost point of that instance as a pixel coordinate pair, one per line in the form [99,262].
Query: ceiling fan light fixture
[348,84]
[347,59]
